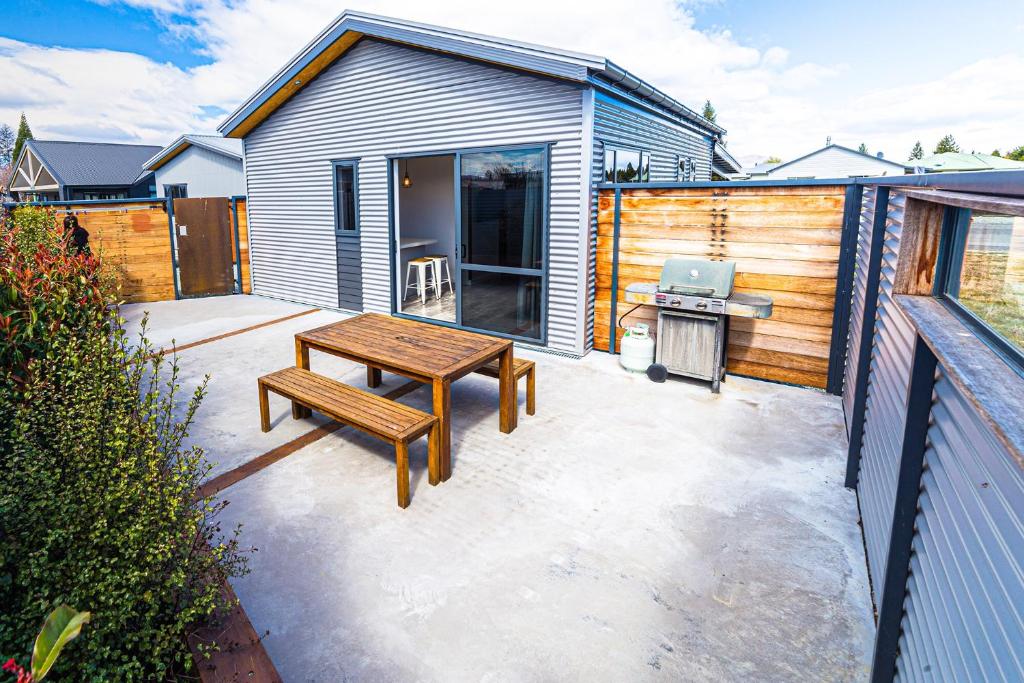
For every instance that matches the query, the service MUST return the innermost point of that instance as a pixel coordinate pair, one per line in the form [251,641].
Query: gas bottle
[637,350]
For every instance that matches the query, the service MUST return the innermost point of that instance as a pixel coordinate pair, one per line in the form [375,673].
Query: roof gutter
[630,82]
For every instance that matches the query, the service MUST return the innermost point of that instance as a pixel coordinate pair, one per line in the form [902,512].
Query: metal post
[844,289]
[867,333]
[174,247]
[908,491]
[612,322]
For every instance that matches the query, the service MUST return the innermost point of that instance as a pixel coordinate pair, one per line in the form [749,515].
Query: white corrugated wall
[382,99]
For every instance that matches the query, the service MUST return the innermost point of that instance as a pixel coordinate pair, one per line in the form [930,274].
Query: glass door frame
[543,272]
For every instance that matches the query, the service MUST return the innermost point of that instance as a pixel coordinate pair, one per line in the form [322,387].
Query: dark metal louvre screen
[860,276]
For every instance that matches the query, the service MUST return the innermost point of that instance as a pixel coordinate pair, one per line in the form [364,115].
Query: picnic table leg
[508,409]
[442,411]
[433,454]
[301,361]
[373,378]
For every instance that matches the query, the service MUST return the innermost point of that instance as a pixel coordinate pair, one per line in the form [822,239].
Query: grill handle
[677,289]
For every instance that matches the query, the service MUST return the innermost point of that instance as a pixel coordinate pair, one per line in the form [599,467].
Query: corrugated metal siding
[620,125]
[885,410]
[861,260]
[383,99]
[964,611]
[207,174]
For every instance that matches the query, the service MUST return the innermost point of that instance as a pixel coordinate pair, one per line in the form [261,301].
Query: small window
[178,191]
[686,169]
[346,211]
[626,165]
[986,274]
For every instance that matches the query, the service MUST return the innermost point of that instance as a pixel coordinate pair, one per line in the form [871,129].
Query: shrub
[99,503]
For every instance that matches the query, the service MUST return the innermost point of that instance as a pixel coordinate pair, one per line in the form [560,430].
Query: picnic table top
[432,351]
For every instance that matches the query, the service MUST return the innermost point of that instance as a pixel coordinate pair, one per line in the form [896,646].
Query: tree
[917,152]
[24,134]
[6,145]
[863,148]
[772,160]
[1016,154]
[709,111]
[996,153]
[946,144]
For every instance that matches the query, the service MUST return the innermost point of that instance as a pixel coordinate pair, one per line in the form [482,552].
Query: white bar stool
[425,277]
[439,261]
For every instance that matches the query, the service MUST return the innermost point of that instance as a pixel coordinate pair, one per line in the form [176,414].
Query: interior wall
[427,209]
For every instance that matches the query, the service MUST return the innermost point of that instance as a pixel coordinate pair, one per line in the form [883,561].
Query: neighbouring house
[831,161]
[52,170]
[385,141]
[199,166]
[962,161]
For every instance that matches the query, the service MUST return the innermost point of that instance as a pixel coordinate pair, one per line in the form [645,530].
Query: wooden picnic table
[431,354]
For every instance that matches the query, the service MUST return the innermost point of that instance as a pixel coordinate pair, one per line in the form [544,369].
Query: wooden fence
[785,241]
[134,238]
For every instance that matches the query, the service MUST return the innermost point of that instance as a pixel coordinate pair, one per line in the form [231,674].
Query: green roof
[960,161]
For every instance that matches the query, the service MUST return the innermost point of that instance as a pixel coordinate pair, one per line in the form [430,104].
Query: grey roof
[230,147]
[92,163]
[563,64]
[845,149]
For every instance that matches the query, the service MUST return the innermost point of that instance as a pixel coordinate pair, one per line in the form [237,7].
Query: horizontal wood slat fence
[785,241]
[134,238]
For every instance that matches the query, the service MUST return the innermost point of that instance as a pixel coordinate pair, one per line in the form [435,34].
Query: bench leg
[373,379]
[264,409]
[434,454]
[402,462]
[531,391]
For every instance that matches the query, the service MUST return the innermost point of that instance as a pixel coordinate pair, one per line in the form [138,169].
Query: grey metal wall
[964,610]
[885,412]
[206,173]
[382,99]
[861,260]
[622,125]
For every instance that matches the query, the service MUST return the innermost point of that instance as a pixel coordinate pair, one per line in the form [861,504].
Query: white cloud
[769,104]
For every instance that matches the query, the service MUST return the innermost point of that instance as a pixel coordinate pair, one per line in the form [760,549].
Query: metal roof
[961,161]
[229,147]
[92,163]
[350,26]
[723,159]
[845,149]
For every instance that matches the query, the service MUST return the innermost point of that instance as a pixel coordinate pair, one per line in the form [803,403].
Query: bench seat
[520,367]
[385,419]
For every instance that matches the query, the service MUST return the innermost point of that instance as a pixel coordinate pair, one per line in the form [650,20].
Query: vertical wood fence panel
[785,241]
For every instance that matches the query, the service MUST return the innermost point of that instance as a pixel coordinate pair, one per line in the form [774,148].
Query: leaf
[62,626]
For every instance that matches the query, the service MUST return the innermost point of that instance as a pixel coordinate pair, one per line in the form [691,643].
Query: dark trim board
[844,289]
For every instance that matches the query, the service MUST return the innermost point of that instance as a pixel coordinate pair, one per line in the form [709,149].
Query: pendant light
[406,181]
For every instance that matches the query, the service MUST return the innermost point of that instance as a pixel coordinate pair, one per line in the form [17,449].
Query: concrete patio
[629,531]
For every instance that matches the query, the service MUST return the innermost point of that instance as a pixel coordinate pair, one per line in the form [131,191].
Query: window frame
[354,165]
[610,152]
[956,224]
[169,188]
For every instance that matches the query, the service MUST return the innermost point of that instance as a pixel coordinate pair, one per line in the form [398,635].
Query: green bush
[99,503]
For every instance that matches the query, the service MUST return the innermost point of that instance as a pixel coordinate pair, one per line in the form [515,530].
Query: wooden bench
[375,415]
[520,367]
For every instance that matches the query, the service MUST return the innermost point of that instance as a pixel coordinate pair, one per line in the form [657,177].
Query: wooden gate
[205,245]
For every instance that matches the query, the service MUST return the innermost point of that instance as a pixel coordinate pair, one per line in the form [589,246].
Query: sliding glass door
[502,233]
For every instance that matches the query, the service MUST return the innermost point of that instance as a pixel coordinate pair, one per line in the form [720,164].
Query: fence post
[238,247]
[844,289]
[174,246]
[612,322]
[867,333]
[908,491]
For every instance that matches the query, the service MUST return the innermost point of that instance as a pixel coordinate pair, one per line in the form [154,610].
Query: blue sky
[783,75]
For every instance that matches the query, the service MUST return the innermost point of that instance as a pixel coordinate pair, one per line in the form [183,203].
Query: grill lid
[699,277]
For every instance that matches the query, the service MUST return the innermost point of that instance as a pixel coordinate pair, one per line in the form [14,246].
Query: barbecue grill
[695,300]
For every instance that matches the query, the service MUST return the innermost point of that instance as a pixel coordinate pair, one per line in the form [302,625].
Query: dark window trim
[169,188]
[354,165]
[612,148]
[952,245]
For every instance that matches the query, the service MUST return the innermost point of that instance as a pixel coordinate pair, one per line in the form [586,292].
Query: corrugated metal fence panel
[618,125]
[382,99]
[964,611]
[885,410]
[861,259]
